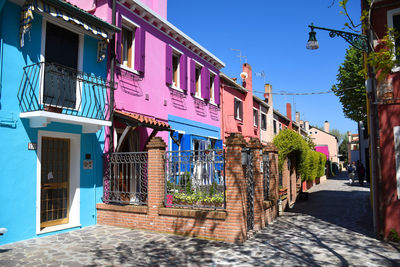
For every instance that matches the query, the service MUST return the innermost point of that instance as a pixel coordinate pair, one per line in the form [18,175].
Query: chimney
[297,117]
[307,126]
[289,114]
[326,126]
[247,83]
[268,93]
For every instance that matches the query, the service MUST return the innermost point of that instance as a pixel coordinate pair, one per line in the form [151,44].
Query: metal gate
[266,175]
[247,160]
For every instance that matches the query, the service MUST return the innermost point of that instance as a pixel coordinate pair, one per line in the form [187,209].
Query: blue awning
[43,7]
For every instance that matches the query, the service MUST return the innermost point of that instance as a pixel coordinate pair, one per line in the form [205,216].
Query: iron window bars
[125,179]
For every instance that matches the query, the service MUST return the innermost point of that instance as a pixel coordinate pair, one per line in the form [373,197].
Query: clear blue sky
[273,34]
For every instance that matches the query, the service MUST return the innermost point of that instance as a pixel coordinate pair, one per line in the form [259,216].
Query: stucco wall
[321,138]
[18,164]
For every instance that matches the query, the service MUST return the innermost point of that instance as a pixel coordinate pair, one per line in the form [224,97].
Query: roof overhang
[232,83]
[134,119]
[40,118]
[163,25]
[281,115]
[260,101]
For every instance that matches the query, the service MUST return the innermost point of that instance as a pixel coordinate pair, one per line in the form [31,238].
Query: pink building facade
[240,109]
[167,85]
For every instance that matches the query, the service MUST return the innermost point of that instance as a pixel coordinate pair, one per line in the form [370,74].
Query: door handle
[44,186]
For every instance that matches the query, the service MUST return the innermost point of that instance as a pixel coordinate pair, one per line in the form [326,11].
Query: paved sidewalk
[322,231]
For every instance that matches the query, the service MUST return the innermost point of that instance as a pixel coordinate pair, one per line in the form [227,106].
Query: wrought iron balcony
[58,89]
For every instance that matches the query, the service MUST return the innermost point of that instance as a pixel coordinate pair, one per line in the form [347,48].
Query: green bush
[307,161]
[322,162]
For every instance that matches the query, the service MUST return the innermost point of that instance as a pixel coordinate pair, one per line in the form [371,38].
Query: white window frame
[265,114]
[132,26]
[198,92]
[74,181]
[212,87]
[177,84]
[256,120]
[69,27]
[239,115]
[390,14]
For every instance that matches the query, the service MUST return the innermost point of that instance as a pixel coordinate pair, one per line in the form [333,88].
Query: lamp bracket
[359,41]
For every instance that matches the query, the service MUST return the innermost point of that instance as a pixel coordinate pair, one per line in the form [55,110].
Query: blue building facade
[53,111]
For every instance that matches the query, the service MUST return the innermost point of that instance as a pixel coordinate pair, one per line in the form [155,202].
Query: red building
[386,14]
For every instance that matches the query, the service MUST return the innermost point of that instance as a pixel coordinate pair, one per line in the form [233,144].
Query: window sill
[128,69]
[239,121]
[58,228]
[177,89]
[198,97]
[212,103]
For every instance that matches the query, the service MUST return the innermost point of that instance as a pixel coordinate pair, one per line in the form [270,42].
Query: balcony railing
[55,88]
[195,179]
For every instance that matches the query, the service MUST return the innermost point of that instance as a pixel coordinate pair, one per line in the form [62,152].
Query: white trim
[198,94]
[132,29]
[258,117]
[176,88]
[176,53]
[38,119]
[128,69]
[43,57]
[241,101]
[212,87]
[128,21]
[74,180]
[172,27]
[390,14]
[176,50]
[198,63]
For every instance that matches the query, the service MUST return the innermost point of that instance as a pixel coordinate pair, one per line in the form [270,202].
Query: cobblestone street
[332,228]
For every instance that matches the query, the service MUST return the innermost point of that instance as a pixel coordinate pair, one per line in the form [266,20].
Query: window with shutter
[198,80]
[127,46]
[175,69]
[212,86]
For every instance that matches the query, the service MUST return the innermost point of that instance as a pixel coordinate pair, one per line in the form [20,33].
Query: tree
[351,86]
[343,149]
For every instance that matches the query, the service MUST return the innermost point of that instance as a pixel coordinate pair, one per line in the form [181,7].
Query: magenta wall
[148,94]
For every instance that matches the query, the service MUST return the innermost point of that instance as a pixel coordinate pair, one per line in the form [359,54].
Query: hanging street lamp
[359,41]
[364,43]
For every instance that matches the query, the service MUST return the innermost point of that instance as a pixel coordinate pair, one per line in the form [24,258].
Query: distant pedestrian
[351,170]
[360,172]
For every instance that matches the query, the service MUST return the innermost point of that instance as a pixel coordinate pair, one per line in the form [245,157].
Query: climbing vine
[307,161]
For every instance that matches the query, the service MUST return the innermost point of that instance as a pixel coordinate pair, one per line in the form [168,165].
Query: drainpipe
[112,66]
[373,121]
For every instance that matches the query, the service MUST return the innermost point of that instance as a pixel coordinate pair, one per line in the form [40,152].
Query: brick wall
[227,225]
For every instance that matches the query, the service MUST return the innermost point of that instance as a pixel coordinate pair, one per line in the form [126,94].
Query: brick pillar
[155,178]
[256,146]
[235,189]
[272,151]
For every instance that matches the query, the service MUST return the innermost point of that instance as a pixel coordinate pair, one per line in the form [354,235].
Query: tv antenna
[261,74]
[240,56]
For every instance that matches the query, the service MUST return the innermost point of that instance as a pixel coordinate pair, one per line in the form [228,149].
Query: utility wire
[309,93]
